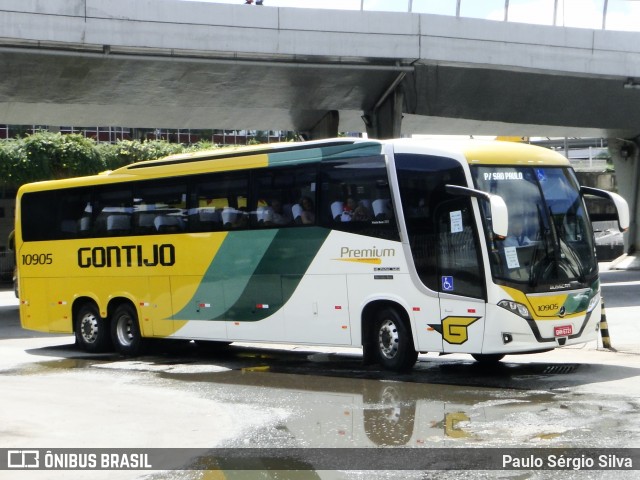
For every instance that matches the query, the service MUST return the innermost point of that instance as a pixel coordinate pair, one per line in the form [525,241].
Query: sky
[621,14]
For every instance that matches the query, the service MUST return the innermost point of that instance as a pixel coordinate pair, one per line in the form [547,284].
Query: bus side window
[159,207]
[205,217]
[239,214]
[284,197]
[113,210]
[356,197]
[219,202]
[72,210]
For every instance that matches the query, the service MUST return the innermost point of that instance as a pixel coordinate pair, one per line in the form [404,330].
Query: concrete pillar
[385,120]
[327,127]
[626,161]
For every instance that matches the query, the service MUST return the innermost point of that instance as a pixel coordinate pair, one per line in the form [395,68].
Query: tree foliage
[125,152]
[52,155]
[47,156]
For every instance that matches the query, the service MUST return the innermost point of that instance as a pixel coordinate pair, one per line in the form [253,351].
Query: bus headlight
[515,307]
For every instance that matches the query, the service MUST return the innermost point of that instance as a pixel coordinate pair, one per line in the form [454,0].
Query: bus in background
[398,246]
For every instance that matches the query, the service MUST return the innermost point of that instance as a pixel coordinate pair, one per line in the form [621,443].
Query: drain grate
[559,369]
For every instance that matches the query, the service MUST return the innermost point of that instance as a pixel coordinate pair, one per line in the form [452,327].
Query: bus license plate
[563,331]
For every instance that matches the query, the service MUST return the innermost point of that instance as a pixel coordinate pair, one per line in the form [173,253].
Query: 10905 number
[37,259]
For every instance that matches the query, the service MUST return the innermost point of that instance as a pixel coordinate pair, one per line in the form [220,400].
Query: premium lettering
[127,256]
[346,252]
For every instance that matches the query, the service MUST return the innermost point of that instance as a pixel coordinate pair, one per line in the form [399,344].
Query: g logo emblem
[454,330]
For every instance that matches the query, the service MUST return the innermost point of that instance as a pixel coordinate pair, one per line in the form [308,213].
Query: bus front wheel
[487,358]
[125,331]
[91,330]
[393,341]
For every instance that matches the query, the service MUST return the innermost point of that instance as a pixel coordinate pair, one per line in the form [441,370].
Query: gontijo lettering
[127,256]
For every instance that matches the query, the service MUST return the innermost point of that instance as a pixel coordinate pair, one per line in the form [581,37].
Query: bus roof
[476,152]
[485,152]
[505,153]
[255,156]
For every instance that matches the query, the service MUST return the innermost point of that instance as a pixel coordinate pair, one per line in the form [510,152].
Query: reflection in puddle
[339,404]
[347,412]
[338,412]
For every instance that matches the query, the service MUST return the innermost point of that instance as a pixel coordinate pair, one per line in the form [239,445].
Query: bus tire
[392,338]
[487,358]
[125,330]
[91,330]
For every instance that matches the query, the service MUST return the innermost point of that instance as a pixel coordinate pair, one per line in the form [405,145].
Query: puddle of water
[334,402]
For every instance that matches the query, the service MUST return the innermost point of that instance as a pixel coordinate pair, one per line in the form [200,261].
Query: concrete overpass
[178,64]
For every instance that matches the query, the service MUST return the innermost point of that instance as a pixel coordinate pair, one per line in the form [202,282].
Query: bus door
[460,278]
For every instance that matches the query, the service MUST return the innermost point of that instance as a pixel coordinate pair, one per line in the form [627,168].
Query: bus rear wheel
[91,330]
[393,341]
[125,331]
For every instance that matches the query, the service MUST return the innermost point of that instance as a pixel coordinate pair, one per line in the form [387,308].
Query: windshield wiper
[569,255]
[538,265]
[573,261]
[557,252]
[564,255]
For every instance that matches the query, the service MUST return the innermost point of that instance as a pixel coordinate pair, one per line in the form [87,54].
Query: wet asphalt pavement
[184,395]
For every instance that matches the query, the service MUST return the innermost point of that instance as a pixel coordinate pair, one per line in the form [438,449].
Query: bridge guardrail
[594,14]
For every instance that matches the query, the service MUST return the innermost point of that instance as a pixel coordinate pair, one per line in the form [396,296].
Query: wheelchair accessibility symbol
[447,284]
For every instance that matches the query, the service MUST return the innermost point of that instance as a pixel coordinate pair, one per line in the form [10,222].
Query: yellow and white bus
[398,246]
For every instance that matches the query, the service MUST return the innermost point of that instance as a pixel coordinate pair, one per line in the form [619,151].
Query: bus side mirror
[499,216]
[622,207]
[499,212]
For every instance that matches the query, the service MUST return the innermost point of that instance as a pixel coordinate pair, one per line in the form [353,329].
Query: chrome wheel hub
[124,330]
[89,328]
[388,339]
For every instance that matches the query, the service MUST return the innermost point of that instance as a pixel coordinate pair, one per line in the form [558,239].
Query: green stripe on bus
[228,274]
[242,287]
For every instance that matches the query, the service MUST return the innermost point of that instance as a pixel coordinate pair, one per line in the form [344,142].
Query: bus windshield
[550,240]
